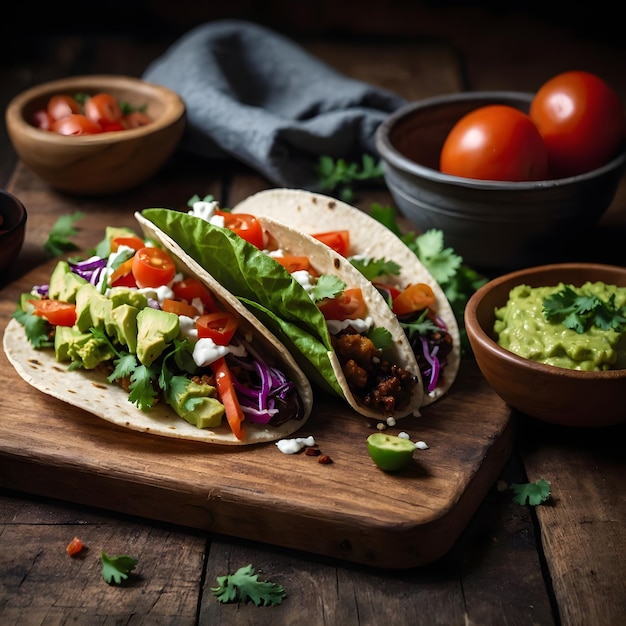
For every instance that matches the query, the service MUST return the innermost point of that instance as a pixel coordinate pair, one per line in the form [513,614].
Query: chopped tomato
[61,105]
[135,119]
[74,546]
[103,108]
[153,267]
[191,288]
[179,307]
[41,119]
[350,305]
[108,127]
[219,326]
[293,263]
[228,397]
[416,297]
[131,242]
[75,124]
[338,240]
[56,312]
[246,226]
[125,281]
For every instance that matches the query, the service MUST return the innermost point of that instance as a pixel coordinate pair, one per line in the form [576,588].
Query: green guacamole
[522,328]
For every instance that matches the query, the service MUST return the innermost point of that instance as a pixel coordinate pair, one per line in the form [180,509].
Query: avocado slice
[122,325]
[92,308]
[83,349]
[64,283]
[155,329]
[195,402]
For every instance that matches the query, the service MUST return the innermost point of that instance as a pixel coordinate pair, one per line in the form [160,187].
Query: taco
[391,265]
[143,338]
[361,355]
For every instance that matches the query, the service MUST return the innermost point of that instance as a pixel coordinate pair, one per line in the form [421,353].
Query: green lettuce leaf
[262,284]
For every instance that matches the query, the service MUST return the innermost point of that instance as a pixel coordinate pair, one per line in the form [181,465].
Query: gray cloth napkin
[256,96]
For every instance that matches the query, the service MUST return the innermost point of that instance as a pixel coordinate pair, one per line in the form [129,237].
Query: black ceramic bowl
[12,230]
[492,224]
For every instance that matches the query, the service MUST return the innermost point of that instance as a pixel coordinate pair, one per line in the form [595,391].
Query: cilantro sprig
[58,240]
[535,493]
[244,585]
[580,311]
[115,569]
[341,177]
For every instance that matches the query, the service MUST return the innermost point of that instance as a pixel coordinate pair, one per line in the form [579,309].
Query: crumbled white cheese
[421,445]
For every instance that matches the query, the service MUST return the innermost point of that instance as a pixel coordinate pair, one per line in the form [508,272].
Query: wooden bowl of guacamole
[551,341]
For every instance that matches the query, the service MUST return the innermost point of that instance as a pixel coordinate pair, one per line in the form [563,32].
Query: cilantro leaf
[341,177]
[116,568]
[381,338]
[535,493]
[327,286]
[37,329]
[58,242]
[421,327]
[579,311]
[142,391]
[375,268]
[244,585]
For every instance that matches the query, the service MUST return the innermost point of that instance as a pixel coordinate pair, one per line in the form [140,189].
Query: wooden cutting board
[348,509]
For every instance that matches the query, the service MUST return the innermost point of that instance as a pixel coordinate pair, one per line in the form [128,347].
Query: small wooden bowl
[13,218]
[551,394]
[104,163]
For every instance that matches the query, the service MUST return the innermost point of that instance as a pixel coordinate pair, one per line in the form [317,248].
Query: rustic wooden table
[560,563]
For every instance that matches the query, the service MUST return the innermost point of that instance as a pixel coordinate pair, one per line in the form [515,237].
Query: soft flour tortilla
[316,213]
[326,261]
[90,390]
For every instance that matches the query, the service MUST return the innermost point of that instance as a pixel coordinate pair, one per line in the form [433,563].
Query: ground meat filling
[376,382]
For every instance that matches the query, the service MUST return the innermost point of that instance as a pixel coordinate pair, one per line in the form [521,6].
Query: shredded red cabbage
[90,269]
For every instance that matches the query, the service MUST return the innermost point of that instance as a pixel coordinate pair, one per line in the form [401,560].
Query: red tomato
[75,124]
[153,267]
[62,105]
[131,242]
[495,142]
[191,288]
[103,108]
[136,119]
[581,120]
[293,263]
[219,326]
[338,240]
[108,127]
[388,291]
[416,297]
[41,119]
[246,226]
[350,305]
[56,312]
[74,546]
[179,307]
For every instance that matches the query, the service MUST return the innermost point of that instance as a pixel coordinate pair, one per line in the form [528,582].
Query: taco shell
[316,213]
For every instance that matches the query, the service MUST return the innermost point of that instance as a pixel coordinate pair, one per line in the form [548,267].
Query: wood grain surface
[348,509]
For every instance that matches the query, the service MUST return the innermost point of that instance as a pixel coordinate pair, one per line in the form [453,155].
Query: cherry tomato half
[135,119]
[495,142]
[581,120]
[191,288]
[246,226]
[219,326]
[62,105]
[103,108]
[338,240]
[75,124]
[416,297]
[56,312]
[153,267]
[349,305]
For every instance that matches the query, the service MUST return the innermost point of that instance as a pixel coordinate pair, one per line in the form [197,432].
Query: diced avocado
[83,349]
[125,295]
[122,325]
[155,329]
[92,308]
[64,283]
[195,403]
[24,303]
